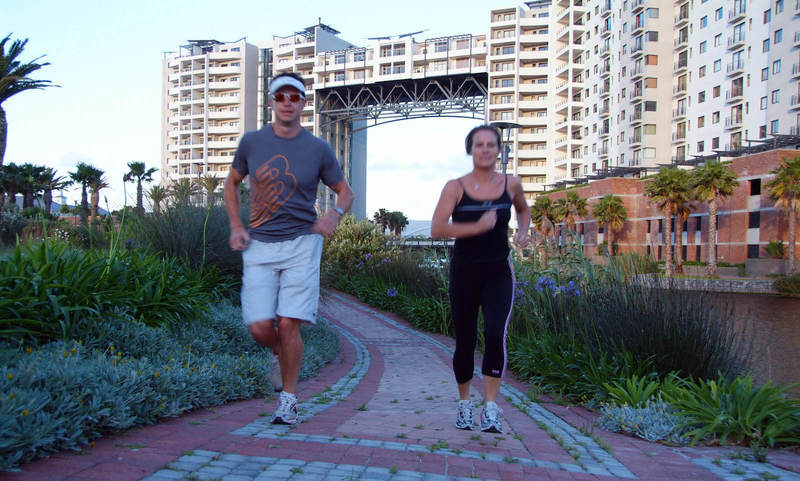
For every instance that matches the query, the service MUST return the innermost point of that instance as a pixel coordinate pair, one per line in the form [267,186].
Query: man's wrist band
[339,210]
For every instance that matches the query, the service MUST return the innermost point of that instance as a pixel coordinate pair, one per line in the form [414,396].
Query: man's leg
[265,334]
[290,347]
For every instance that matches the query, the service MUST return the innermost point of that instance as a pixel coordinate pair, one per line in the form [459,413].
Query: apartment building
[209,100]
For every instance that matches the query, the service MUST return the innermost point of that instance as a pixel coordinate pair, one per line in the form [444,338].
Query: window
[717,65]
[701,72]
[715,91]
[752,251]
[767,16]
[773,127]
[338,76]
[776,66]
[649,129]
[718,40]
[755,187]
[701,122]
[359,57]
[754,220]
[703,46]
[651,59]
[339,58]
[715,120]
[701,96]
[778,6]
[507,82]
[714,145]
[718,14]
[778,36]
[704,21]
[776,96]
[765,46]
[701,146]
[508,50]
[764,74]
[650,105]
[652,13]
[762,131]
[764,103]
[652,36]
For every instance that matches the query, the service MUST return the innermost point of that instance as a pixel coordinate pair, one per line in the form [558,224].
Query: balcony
[637,51]
[679,137]
[605,52]
[679,113]
[603,132]
[738,13]
[681,42]
[797,7]
[636,118]
[680,66]
[737,41]
[603,93]
[794,103]
[638,28]
[605,71]
[604,112]
[795,71]
[682,18]
[734,96]
[679,90]
[638,5]
[605,32]
[733,123]
[636,94]
[735,68]
[602,152]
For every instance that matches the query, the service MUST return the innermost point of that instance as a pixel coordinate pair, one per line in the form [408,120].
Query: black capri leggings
[490,286]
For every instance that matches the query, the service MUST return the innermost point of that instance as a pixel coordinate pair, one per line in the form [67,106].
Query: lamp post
[505,149]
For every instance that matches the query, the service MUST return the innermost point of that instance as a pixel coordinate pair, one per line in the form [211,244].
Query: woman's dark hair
[471,134]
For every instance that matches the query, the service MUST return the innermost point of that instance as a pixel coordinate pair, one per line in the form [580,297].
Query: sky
[106,57]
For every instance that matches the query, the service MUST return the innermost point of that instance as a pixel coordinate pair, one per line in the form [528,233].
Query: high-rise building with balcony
[209,101]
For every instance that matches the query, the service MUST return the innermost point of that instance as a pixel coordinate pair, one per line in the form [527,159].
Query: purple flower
[359,264]
[367,256]
[391,292]
[384,261]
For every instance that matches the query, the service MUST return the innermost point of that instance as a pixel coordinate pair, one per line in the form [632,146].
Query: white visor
[283,82]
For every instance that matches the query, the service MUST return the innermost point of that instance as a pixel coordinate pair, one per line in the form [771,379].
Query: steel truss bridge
[377,103]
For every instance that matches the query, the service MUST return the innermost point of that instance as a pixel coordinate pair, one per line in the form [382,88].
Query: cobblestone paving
[385,411]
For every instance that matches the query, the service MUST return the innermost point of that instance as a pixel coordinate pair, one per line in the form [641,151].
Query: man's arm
[326,224]
[239,238]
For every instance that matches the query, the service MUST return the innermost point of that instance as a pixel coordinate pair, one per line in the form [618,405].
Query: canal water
[773,324]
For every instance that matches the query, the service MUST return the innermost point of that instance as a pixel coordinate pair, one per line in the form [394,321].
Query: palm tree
[30,179]
[209,184]
[669,189]
[10,181]
[49,183]
[96,184]
[712,182]
[682,213]
[157,195]
[784,190]
[381,217]
[397,221]
[571,209]
[14,79]
[611,212]
[138,172]
[544,216]
[83,174]
[182,191]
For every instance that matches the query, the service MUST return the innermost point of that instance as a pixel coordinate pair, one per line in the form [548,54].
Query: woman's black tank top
[491,245]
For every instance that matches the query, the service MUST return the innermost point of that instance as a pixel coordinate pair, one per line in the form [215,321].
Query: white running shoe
[490,418]
[287,410]
[464,419]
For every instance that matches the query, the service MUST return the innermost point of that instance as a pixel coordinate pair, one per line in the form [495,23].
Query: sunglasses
[279,97]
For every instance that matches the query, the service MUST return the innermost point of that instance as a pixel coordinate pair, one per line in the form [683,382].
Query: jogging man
[281,249]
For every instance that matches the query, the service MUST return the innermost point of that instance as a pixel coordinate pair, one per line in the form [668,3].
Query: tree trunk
[711,268]
[95,204]
[610,241]
[792,238]
[27,199]
[3,134]
[84,206]
[47,199]
[139,203]
[668,240]
[679,244]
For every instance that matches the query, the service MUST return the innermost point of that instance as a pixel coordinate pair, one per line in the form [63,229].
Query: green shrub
[197,235]
[634,391]
[121,373]
[776,249]
[788,285]
[353,243]
[45,288]
[11,225]
[654,420]
[737,411]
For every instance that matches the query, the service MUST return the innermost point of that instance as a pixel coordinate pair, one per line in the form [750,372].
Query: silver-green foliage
[655,420]
[123,373]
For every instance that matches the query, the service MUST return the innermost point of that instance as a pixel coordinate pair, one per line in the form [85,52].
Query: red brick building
[747,220]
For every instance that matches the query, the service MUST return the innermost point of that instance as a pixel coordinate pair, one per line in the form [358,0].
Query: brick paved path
[385,411]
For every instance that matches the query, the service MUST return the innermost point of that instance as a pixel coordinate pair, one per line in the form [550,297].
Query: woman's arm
[441,227]
[522,209]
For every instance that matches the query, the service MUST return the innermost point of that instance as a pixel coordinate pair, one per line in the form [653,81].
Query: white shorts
[281,278]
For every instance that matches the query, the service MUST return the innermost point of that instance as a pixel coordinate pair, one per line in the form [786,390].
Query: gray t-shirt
[284,175]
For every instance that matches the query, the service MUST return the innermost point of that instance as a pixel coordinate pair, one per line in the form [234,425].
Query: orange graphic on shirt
[270,190]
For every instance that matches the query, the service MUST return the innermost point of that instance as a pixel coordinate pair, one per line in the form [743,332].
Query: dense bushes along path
[385,411]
